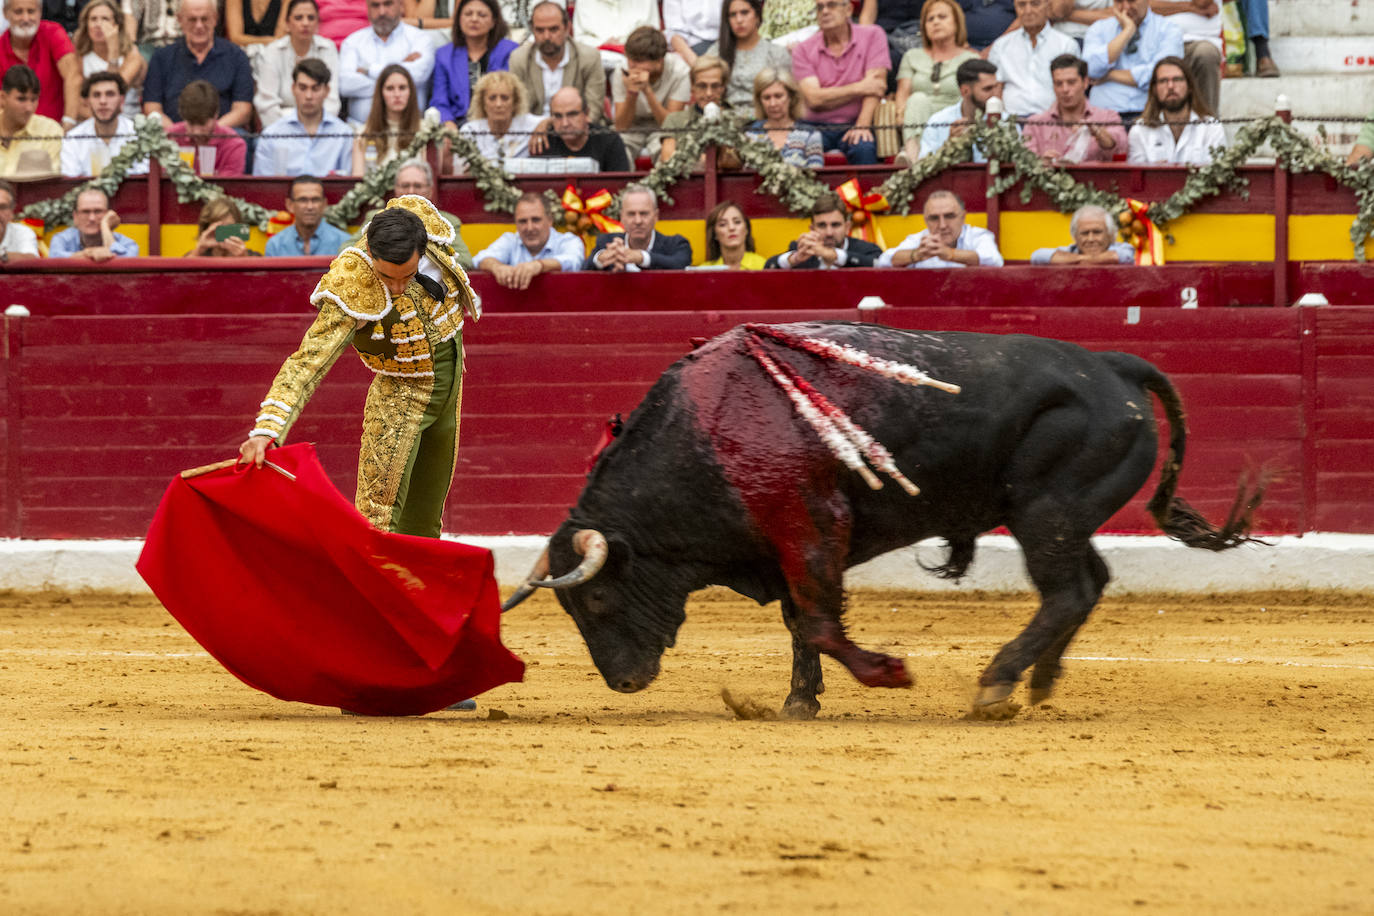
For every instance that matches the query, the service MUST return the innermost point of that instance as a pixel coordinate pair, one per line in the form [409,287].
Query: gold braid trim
[391,422]
[351,284]
[436,227]
[303,370]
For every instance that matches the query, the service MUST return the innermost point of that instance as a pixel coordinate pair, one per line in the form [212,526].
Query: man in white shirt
[1200,23]
[273,64]
[1176,126]
[90,145]
[307,141]
[387,40]
[1073,17]
[533,248]
[17,241]
[610,22]
[1094,242]
[946,241]
[1022,57]
[977,80]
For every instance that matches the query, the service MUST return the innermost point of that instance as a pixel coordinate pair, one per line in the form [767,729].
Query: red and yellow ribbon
[863,210]
[279,221]
[1143,234]
[590,208]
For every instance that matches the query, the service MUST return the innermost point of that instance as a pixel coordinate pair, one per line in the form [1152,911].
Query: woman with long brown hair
[392,122]
[103,45]
[479,47]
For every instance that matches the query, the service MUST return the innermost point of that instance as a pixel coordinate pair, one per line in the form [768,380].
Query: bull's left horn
[591,545]
[540,570]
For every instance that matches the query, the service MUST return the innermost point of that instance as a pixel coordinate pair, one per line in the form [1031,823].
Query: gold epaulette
[351,284]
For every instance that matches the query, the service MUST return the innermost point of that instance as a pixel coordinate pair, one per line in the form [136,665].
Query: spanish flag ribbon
[863,210]
[592,207]
[35,224]
[279,221]
[1143,234]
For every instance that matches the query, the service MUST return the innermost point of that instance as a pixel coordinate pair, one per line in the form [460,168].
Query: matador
[400,298]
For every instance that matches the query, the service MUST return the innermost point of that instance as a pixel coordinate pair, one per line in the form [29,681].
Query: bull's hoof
[1038,695]
[875,670]
[800,708]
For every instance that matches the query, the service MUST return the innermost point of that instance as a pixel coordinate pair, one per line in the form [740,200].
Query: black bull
[716,480]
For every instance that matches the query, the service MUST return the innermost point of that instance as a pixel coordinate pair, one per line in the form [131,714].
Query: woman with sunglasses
[925,78]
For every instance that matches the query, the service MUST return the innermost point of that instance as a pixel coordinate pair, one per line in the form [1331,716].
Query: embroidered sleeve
[303,370]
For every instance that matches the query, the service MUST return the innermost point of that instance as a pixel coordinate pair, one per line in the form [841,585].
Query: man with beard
[827,244]
[199,55]
[947,241]
[533,248]
[387,40]
[45,48]
[1093,230]
[92,234]
[553,61]
[977,80]
[30,144]
[90,145]
[1176,126]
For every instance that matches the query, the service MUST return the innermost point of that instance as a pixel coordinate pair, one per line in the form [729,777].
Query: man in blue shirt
[1122,52]
[92,234]
[307,141]
[533,248]
[199,55]
[309,234]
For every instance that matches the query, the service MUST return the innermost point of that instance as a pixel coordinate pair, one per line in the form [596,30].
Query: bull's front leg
[819,600]
[807,680]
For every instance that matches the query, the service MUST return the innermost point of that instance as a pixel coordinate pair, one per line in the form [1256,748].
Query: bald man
[571,133]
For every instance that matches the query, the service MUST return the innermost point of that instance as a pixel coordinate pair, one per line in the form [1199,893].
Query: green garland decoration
[796,188]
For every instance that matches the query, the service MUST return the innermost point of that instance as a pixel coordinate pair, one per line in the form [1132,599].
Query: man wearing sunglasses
[1122,52]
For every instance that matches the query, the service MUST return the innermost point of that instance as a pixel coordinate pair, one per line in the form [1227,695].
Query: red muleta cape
[286,584]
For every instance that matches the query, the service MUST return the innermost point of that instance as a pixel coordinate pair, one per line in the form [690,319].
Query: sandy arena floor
[1203,755]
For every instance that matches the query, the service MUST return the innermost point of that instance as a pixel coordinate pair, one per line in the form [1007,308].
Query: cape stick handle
[207,468]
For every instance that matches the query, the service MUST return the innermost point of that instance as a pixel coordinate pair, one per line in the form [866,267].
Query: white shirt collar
[563,62]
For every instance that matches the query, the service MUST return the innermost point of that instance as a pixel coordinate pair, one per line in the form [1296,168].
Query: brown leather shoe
[1234,69]
[1266,67]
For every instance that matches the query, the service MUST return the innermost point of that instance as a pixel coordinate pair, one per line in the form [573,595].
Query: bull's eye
[598,596]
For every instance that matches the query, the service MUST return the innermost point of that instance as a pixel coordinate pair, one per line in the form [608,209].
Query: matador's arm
[303,370]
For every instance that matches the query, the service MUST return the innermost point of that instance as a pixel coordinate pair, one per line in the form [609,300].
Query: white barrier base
[1138,564]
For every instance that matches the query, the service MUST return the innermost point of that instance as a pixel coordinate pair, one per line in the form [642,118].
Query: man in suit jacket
[827,244]
[552,60]
[639,247]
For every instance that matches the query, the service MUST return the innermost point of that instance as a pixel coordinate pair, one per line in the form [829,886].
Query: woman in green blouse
[925,78]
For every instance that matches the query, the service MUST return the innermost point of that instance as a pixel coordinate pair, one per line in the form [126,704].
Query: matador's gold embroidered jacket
[393,337]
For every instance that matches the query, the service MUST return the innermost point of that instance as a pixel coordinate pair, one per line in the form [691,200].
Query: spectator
[1023,57]
[777,104]
[1257,33]
[1072,130]
[553,61]
[199,56]
[745,51]
[103,45]
[433,16]
[154,25]
[730,239]
[691,26]
[218,212]
[365,55]
[947,241]
[308,235]
[608,24]
[1177,127]
[44,48]
[1364,143]
[274,65]
[341,18]
[842,70]
[977,80]
[987,21]
[1122,52]
[91,235]
[308,140]
[392,122]
[533,248]
[709,76]
[17,241]
[900,19]
[1093,230]
[416,177]
[63,13]
[499,121]
[572,133]
[1200,23]
[653,85]
[250,24]
[90,145]
[925,77]
[639,247]
[30,144]
[198,104]
[827,245]
[1072,17]
[479,47]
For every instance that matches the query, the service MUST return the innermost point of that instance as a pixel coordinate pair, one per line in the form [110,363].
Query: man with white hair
[44,47]
[947,241]
[199,55]
[640,246]
[1093,230]
[415,177]
[367,52]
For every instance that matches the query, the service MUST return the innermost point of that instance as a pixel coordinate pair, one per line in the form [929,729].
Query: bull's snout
[629,684]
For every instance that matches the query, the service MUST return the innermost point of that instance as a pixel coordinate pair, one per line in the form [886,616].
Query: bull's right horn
[592,547]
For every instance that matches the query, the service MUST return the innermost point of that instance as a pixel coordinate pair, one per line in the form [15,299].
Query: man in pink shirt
[47,50]
[842,70]
[1072,130]
[198,106]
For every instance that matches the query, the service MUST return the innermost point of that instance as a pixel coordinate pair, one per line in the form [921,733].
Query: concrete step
[1337,102]
[1328,54]
[1320,18]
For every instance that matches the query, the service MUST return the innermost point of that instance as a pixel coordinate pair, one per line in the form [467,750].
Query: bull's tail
[1174,516]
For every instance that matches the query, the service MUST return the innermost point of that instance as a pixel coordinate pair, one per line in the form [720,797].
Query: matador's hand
[254,450]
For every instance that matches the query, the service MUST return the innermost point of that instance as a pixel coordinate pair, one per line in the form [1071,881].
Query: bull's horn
[591,545]
[540,570]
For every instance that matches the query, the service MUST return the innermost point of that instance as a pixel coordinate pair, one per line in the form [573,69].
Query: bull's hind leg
[807,682]
[1047,668]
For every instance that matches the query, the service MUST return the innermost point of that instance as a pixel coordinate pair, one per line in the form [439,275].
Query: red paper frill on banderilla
[286,584]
